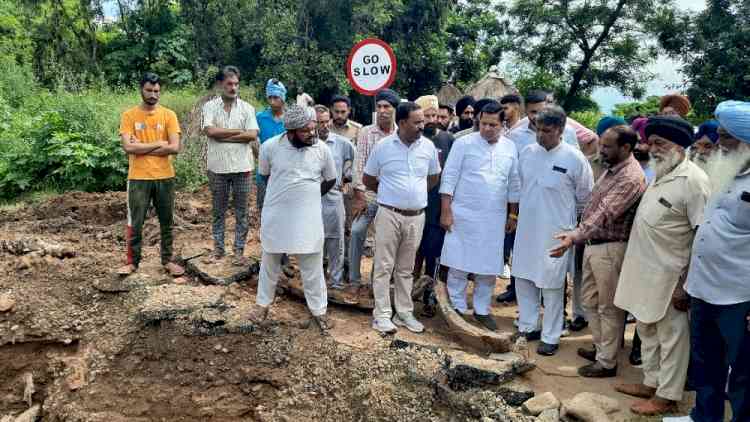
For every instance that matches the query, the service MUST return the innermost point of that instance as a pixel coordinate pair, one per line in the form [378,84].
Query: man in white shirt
[556,185]
[401,169]
[523,133]
[334,215]
[301,169]
[230,125]
[479,186]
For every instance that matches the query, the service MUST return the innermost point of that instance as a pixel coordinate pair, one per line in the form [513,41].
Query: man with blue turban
[705,141]
[271,123]
[718,281]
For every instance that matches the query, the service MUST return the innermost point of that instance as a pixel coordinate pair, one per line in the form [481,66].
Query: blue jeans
[719,340]
[357,242]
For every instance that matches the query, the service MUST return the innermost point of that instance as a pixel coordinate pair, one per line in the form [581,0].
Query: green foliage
[587,118]
[714,46]
[587,45]
[649,106]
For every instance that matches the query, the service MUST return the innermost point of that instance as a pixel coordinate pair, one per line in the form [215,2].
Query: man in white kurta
[657,259]
[480,184]
[556,183]
[301,168]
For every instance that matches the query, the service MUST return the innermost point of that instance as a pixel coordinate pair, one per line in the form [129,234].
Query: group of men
[649,218]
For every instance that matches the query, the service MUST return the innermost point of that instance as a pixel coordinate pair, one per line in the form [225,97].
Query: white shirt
[402,171]
[523,136]
[343,152]
[556,185]
[229,157]
[720,262]
[482,178]
[292,220]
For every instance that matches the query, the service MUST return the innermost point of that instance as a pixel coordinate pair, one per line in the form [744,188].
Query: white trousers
[311,267]
[334,250]
[530,304]
[484,285]
[666,353]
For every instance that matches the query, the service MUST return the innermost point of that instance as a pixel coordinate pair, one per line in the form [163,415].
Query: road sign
[371,66]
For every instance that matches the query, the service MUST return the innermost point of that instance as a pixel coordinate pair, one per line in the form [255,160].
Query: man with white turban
[301,170]
[719,278]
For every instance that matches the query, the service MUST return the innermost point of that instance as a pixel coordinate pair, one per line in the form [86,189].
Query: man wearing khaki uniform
[656,263]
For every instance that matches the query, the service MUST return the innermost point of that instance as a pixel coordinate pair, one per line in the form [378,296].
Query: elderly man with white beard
[656,263]
[718,281]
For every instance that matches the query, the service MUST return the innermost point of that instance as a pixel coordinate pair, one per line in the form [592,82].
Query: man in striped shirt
[605,228]
[230,126]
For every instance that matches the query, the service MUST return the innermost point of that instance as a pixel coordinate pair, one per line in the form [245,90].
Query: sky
[666,71]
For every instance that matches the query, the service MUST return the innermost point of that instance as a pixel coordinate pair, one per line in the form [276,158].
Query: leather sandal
[174,270]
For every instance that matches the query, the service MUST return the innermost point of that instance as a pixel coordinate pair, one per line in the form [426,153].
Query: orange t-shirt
[149,127]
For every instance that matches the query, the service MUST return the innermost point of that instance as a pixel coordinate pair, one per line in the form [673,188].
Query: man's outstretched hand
[566,241]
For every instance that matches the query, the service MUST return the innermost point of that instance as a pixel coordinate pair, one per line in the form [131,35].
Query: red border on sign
[354,49]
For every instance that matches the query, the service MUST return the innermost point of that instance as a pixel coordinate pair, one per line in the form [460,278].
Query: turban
[584,135]
[607,122]
[708,128]
[680,103]
[673,128]
[274,88]
[427,101]
[463,103]
[734,117]
[639,125]
[388,95]
[297,116]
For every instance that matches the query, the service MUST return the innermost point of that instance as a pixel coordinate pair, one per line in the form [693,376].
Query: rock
[515,392]
[540,403]
[180,280]
[590,407]
[28,388]
[117,284]
[480,339]
[6,302]
[30,415]
[221,273]
[465,371]
[549,415]
[167,302]
[78,376]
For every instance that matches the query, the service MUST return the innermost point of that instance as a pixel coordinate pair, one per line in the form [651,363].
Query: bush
[587,118]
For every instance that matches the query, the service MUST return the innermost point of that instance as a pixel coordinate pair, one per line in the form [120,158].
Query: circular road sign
[371,66]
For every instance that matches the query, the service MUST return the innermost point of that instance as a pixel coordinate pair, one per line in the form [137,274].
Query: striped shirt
[229,157]
[368,137]
[609,215]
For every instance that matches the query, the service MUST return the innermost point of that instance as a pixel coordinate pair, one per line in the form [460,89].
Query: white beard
[699,160]
[664,166]
[722,168]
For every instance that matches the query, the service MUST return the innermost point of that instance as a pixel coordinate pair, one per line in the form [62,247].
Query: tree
[589,43]
[714,46]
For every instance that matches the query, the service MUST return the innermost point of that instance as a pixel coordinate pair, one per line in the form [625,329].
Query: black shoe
[587,354]
[596,370]
[578,324]
[635,357]
[546,349]
[508,297]
[487,322]
[532,336]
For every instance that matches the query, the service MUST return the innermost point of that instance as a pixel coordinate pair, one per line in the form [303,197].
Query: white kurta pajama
[292,220]
[556,185]
[482,178]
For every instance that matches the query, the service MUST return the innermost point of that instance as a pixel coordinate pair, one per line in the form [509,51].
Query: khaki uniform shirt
[596,165]
[350,130]
[658,252]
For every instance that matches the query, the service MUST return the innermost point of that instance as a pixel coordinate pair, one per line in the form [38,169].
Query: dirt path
[95,356]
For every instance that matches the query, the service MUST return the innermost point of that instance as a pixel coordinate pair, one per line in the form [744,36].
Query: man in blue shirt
[271,124]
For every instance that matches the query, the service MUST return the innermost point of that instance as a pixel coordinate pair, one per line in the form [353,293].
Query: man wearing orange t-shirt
[150,135]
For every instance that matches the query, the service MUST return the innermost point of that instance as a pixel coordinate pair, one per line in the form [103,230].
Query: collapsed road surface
[79,344]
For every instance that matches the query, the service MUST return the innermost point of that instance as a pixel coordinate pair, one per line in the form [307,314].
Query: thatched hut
[449,94]
[492,85]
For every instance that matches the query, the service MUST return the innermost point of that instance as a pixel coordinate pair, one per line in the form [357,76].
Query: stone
[540,403]
[117,284]
[466,371]
[221,273]
[30,415]
[590,407]
[549,415]
[483,340]
[515,392]
[6,302]
[78,376]
[28,388]
[167,302]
